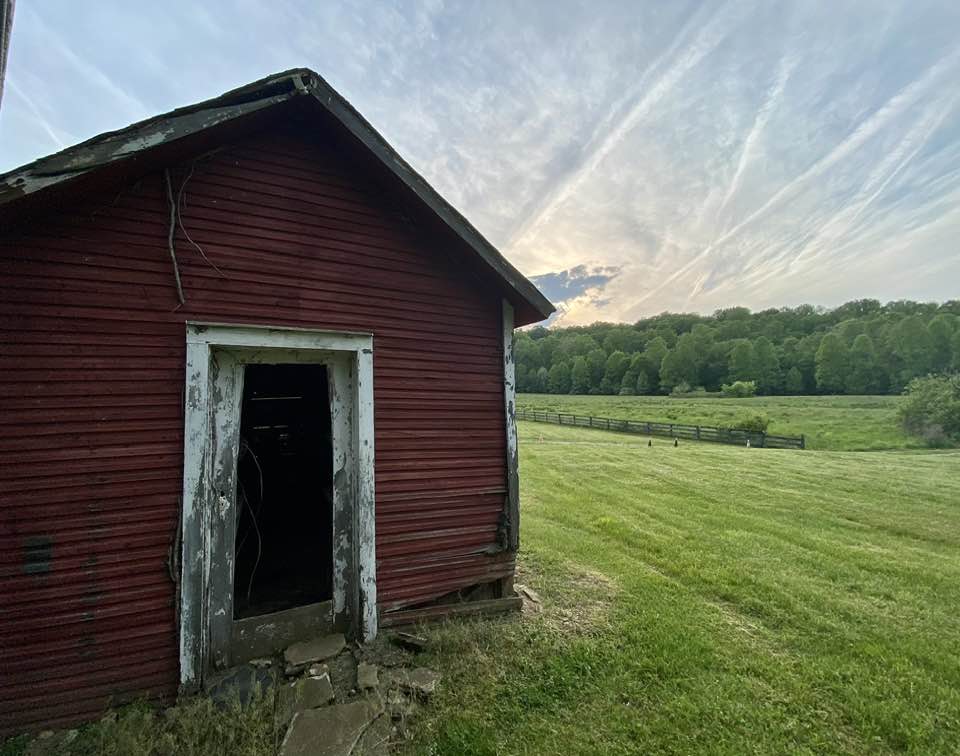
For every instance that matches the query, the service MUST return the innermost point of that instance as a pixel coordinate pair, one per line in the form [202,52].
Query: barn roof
[132,143]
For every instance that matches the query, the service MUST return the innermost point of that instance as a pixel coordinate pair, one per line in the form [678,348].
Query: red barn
[257,383]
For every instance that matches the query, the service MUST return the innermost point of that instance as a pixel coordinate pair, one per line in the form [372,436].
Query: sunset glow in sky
[633,156]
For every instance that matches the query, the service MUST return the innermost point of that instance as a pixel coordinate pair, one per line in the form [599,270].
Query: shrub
[930,409]
[681,389]
[756,422]
[739,389]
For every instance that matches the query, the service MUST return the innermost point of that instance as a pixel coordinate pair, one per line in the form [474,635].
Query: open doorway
[284,532]
[303,549]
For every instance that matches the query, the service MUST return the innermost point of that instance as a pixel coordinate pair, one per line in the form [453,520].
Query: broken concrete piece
[330,731]
[306,693]
[375,740]
[315,691]
[531,599]
[319,649]
[367,676]
[410,641]
[421,681]
[528,593]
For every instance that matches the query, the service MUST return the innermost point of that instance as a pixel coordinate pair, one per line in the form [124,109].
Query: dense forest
[861,347]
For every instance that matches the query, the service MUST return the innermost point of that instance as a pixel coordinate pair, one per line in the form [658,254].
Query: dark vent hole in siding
[284,542]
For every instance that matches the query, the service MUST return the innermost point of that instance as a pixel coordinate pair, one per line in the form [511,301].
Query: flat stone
[367,676]
[375,740]
[531,600]
[306,693]
[261,663]
[318,670]
[316,650]
[330,731]
[343,675]
[528,593]
[421,681]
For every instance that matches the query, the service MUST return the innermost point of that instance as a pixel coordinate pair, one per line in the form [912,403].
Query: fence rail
[670,430]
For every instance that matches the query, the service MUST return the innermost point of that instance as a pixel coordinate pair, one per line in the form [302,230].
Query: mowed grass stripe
[766,602]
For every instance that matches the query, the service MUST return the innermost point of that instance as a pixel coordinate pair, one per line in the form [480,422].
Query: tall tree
[862,375]
[580,376]
[625,339]
[541,381]
[526,351]
[558,380]
[766,366]
[741,361]
[644,385]
[908,338]
[832,364]
[652,359]
[617,365]
[597,362]
[793,381]
[912,347]
[680,364]
[955,348]
[941,330]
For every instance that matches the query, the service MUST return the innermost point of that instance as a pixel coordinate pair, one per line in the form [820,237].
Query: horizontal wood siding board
[91,367]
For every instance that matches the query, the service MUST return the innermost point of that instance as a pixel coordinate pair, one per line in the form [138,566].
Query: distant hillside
[861,347]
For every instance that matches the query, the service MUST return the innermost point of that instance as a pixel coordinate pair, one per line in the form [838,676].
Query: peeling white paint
[224,505]
[215,358]
[365,508]
[512,504]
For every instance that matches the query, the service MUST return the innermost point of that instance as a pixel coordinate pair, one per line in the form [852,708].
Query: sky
[631,157]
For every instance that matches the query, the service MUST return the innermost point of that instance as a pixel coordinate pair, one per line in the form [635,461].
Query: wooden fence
[670,430]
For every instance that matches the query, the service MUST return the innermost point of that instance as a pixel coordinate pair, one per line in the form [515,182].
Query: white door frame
[215,357]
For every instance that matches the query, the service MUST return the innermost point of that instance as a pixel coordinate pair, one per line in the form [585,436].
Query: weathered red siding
[91,380]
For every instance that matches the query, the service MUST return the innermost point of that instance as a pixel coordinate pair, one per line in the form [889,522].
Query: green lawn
[828,422]
[703,599]
[710,599]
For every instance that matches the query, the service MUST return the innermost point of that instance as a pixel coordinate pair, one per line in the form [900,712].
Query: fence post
[698,433]
[803,441]
[763,439]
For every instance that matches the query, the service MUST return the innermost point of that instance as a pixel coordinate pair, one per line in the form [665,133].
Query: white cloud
[713,154]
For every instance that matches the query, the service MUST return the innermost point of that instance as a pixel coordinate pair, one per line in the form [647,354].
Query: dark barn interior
[284,489]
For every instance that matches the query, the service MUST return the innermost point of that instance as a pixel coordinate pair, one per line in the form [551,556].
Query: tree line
[861,347]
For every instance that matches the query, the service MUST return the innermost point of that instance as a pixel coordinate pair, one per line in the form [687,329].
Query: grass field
[703,599]
[717,600]
[829,422]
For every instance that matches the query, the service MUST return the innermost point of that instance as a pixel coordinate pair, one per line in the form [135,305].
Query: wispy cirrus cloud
[646,156]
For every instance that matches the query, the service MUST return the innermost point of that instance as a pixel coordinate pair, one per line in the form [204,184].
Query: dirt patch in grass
[574,601]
